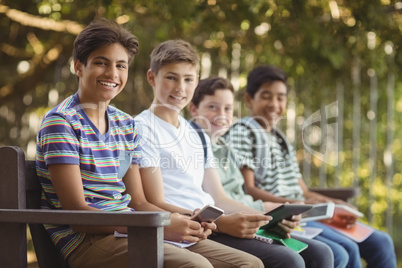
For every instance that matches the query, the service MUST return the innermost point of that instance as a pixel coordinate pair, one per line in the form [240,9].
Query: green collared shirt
[230,175]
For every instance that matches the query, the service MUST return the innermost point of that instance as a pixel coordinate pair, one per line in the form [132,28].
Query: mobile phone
[208,213]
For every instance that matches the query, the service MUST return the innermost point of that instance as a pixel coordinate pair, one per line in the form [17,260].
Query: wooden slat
[140,219]
[13,245]
[340,193]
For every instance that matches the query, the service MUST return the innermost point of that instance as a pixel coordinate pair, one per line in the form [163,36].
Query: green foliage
[319,43]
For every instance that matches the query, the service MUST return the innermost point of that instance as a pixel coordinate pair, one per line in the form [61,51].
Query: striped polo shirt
[67,136]
[269,155]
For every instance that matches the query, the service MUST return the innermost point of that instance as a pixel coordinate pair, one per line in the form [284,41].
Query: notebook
[306,232]
[264,239]
[291,243]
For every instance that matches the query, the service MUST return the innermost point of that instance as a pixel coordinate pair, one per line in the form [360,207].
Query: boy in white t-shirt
[177,178]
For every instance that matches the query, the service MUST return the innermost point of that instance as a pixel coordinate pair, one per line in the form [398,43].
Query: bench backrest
[20,189]
[46,252]
[20,193]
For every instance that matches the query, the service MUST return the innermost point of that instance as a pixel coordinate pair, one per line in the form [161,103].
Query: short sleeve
[240,139]
[149,153]
[137,153]
[295,163]
[57,141]
[211,160]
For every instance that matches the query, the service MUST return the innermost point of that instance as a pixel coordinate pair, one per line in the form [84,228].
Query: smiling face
[268,104]
[174,86]
[104,75]
[214,112]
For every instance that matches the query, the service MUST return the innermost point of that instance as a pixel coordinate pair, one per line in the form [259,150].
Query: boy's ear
[78,68]
[247,100]
[193,109]
[151,78]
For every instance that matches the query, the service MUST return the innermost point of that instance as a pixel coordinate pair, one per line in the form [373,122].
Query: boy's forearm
[233,206]
[317,197]
[144,206]
[265,196]
[172,208]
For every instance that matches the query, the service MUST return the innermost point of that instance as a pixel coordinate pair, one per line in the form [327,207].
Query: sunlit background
[343,59]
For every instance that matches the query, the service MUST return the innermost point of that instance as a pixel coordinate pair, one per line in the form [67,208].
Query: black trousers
[317,253]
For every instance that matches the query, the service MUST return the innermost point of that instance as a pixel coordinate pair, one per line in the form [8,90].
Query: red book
[359,232]
[344,210]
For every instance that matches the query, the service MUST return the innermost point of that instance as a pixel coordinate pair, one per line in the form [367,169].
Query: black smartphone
[208,213]
[285,211]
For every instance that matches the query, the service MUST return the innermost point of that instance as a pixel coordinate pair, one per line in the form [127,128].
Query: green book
[291,243]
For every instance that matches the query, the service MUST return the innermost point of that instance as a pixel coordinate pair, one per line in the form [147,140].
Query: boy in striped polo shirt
[271,172]
[87,156]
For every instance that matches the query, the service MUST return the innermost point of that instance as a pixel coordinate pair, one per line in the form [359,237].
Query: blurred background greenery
[343,59]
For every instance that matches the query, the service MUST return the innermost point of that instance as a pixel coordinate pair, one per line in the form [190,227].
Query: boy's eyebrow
[106,59]
[173,73]
[269,92]
[216,102]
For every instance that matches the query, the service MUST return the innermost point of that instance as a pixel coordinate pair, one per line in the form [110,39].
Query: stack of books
[334,215]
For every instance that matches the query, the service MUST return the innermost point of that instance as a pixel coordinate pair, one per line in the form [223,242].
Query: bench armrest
[145,229]
[20,188]
[71,217]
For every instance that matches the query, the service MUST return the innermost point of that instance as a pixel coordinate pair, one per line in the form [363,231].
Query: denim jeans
[317,255]
[377,250]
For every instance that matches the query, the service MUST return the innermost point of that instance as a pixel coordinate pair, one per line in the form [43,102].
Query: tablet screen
[319,212]
[285,211]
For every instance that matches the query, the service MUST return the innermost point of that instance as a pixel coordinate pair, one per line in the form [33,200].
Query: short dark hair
[208,86]
[101,33]
[173,51]
[264,74]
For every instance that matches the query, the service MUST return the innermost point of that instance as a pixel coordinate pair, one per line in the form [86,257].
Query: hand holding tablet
[285,211]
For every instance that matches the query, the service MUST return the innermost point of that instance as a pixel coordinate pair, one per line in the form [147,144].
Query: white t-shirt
[179,154]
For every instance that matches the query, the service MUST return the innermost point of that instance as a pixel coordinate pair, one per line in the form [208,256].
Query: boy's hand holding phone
[208,213]
[182,228]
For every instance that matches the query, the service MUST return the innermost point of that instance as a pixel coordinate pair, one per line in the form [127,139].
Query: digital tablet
[285,211]
[319,212]
[345,210]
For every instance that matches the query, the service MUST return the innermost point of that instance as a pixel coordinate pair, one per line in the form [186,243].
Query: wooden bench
[20,204]
[344,194]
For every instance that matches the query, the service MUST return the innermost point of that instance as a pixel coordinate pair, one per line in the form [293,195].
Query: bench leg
[149,240]
[13,245]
